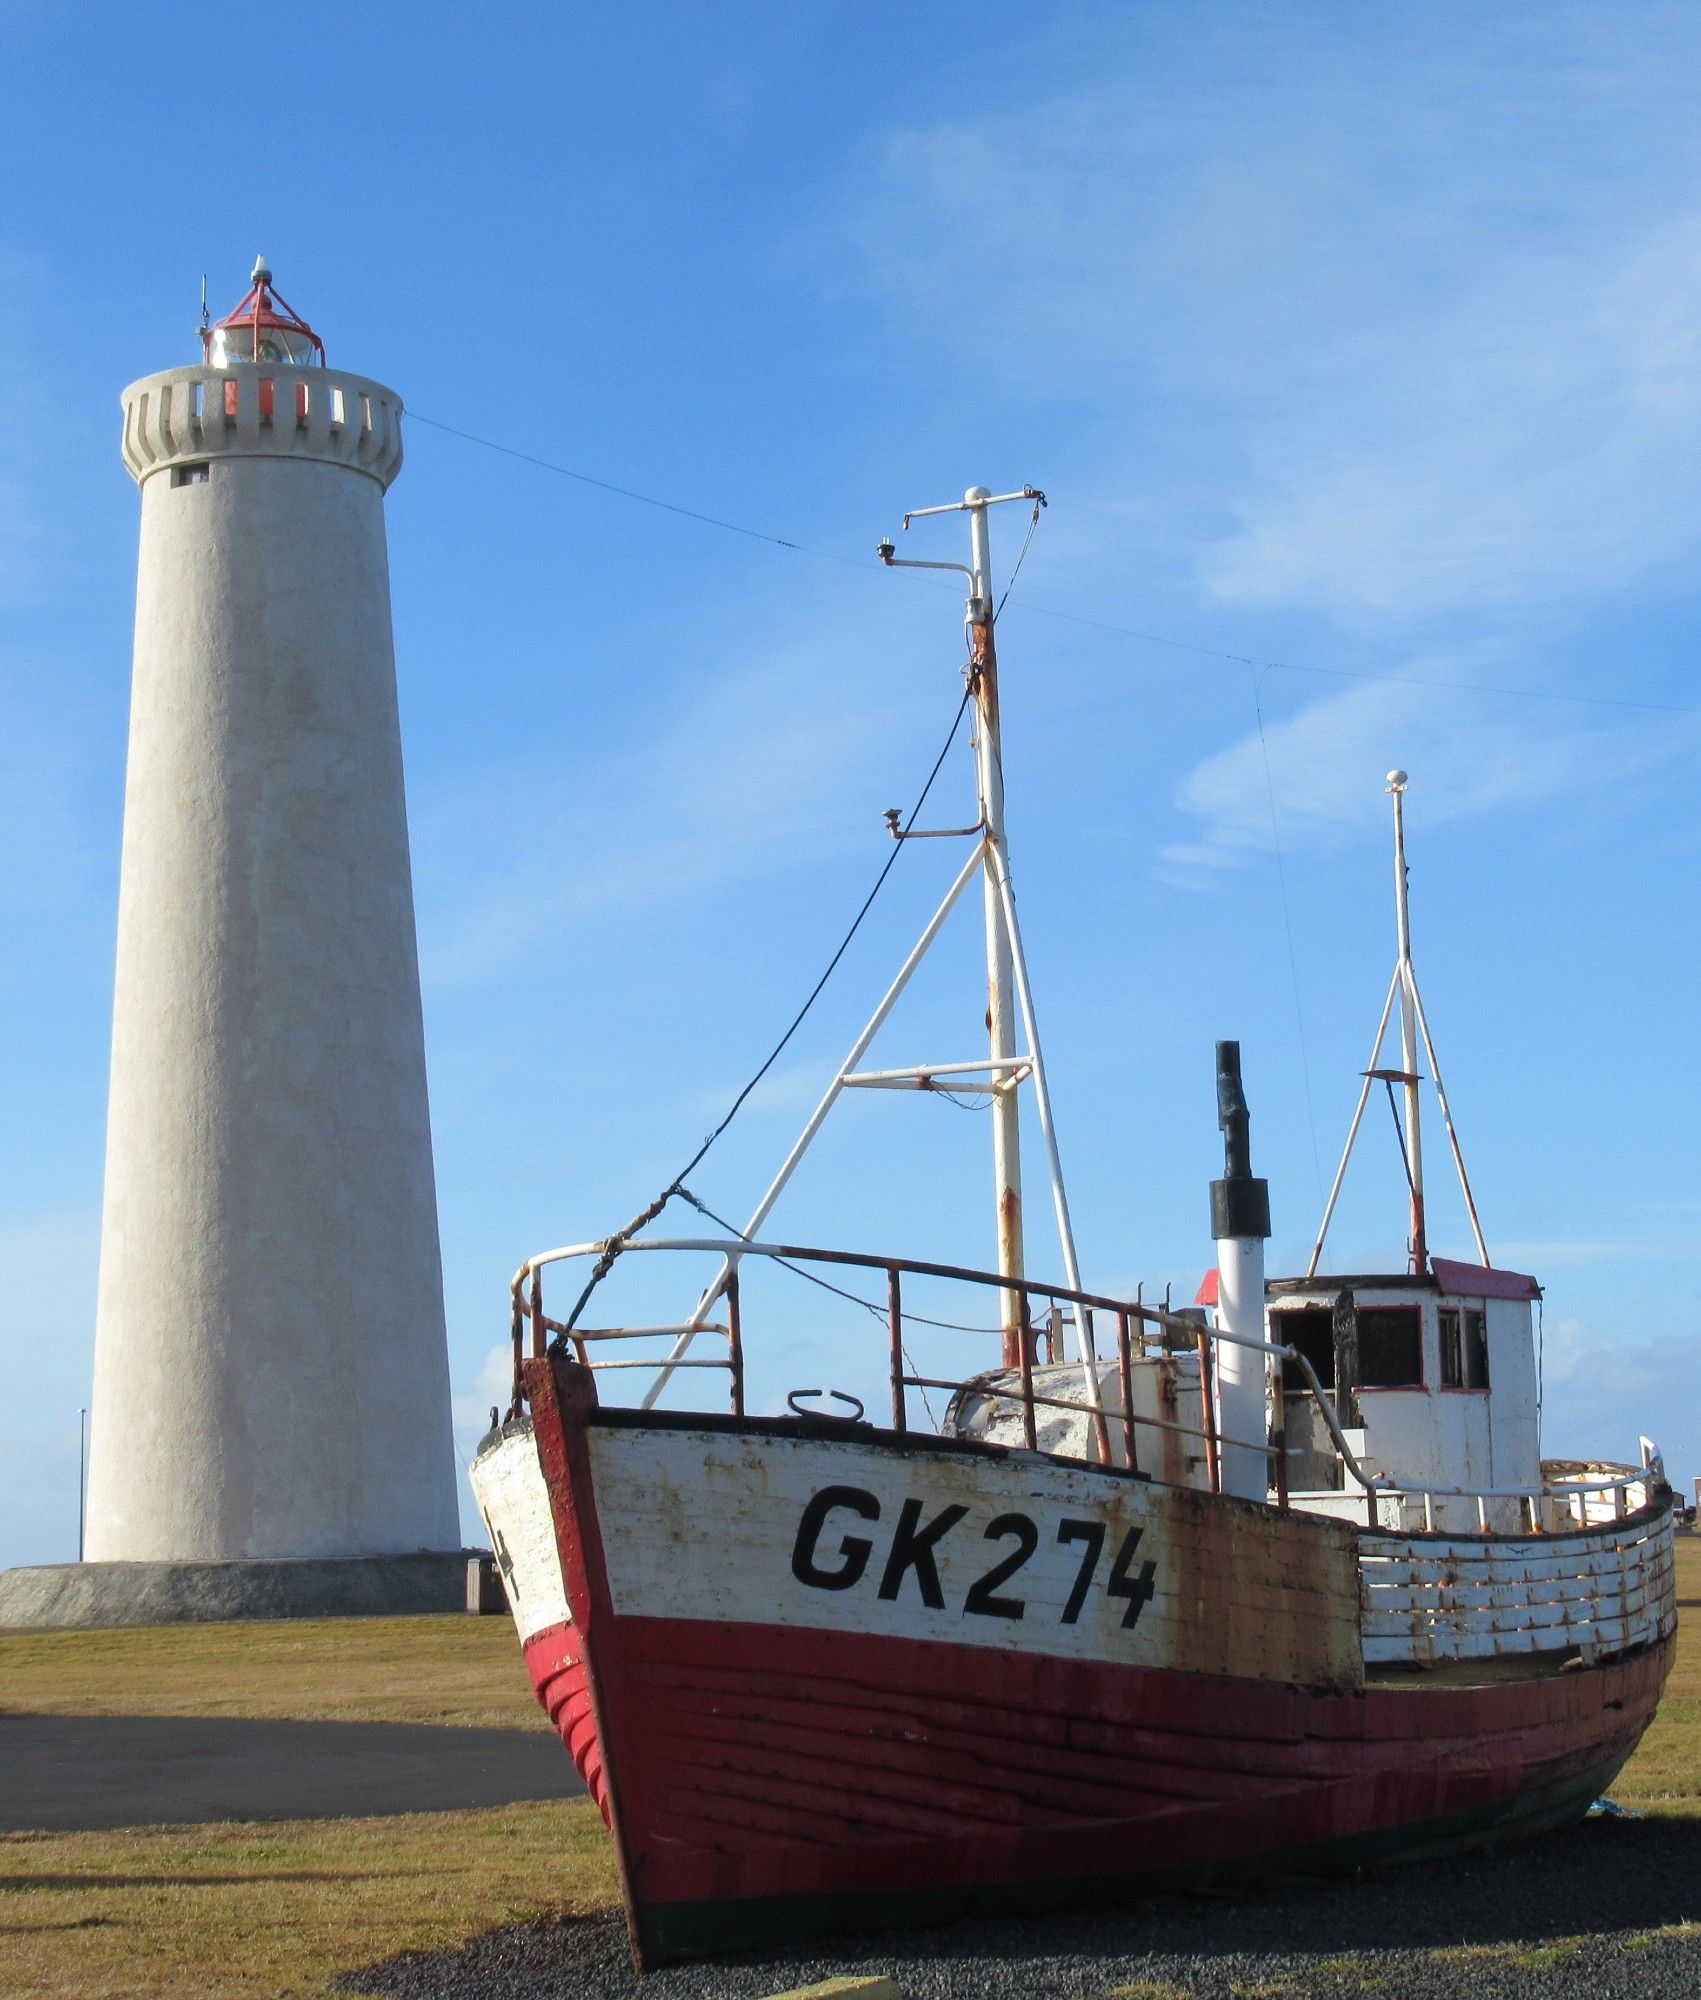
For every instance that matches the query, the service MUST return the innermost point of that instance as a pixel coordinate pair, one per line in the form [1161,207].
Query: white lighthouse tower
[271,1374]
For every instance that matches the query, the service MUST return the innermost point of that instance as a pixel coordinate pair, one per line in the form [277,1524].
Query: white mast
[1000,977]
[1408,1025]
[1413,1025]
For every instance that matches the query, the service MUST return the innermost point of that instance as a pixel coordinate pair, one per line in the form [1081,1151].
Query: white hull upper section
[1012,1553]
[1029,1554]
[507,1483]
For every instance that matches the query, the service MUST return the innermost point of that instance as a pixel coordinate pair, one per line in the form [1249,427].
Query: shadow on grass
[77,1774]
[1604,1877]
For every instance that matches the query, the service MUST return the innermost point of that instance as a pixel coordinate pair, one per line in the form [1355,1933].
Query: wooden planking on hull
[724,1811]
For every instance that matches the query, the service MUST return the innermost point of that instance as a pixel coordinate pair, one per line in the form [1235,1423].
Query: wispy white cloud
[1317,776]
[472,1400]
[1392,325]
[788,1092]
[1537,1256]
[490,1387]
[1394,333]
[1604,1391]
[1532,435]
[755,765]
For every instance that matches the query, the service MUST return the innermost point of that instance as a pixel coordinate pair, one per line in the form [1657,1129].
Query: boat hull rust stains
[793,1720]
[1435,1598]
[856,1537]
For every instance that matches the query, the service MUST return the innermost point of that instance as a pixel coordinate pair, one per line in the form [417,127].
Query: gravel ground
[1578,1913]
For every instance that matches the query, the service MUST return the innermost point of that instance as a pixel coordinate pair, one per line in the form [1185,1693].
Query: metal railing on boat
[1169,1331]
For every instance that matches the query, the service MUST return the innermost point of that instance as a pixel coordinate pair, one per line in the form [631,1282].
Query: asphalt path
[78,1773]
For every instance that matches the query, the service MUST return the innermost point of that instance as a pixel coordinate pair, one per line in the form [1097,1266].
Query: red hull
[764,1781]
[769,1767]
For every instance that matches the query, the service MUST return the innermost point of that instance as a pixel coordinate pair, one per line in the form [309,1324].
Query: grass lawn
[241,1912]
[1665,1774]
[461,1671]
[246,1911]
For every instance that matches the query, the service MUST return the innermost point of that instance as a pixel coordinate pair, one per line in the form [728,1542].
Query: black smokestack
[1240,1203]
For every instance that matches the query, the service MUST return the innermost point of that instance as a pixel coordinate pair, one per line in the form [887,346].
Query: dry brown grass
[255,1912]
[451,1670]
[1665,1774]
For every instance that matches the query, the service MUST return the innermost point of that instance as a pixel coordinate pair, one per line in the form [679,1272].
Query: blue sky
[1360,340]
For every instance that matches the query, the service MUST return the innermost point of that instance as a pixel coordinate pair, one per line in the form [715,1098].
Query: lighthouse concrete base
[84,1596]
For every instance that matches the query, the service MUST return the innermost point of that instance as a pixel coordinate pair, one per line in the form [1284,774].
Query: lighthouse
[270,1418]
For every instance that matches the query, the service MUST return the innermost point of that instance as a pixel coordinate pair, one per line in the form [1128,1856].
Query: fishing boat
[1150,1595]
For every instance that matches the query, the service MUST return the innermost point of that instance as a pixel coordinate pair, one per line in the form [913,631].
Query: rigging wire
[1021,557]
[624,492]
[1400,1134]
[617,1242]
[1043,610]
[1360,673]
[1287,922]
[872,1306]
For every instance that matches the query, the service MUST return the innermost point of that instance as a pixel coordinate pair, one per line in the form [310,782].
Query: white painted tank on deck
[271,1374]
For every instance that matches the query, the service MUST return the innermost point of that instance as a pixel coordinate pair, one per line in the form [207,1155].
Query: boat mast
[1006,979]
[1000,980]
[1009,997]
[1408,1026]
[1414,1025]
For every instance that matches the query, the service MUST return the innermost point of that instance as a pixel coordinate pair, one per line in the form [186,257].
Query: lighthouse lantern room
[263,327]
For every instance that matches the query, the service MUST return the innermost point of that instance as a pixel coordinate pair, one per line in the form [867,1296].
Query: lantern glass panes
[276,344]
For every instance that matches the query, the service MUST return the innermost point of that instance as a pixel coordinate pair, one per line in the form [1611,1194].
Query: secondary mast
[1414,1026]
[1408,1026]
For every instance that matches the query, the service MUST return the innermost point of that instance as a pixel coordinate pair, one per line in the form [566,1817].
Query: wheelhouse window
[1464,1347]
[1390,1347]
[1312,1330]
